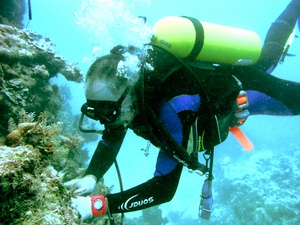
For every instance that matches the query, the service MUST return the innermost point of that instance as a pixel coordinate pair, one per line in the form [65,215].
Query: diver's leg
[260,103]
[269,94]
[278,35]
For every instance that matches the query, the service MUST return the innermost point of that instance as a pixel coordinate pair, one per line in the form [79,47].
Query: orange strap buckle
[241,111]
[240,116]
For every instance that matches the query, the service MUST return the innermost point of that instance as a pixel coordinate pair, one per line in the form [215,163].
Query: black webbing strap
[199,39]
[175,150]
[150,117]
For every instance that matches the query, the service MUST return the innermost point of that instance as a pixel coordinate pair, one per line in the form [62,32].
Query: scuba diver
[163,98]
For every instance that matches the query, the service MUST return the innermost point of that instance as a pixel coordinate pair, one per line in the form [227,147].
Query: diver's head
[109,93]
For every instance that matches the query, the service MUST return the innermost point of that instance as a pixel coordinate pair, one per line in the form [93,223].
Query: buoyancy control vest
[171,76]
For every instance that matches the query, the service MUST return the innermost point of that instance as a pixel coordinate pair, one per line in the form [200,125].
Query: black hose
[110,217]
[121,186]
[87,131]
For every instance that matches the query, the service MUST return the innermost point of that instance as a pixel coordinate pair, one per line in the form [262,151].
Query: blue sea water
[85,29]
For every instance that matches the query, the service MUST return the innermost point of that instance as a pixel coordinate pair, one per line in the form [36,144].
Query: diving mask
[106,112]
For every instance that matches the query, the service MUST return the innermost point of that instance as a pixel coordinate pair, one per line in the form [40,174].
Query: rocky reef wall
[31,193]
[37,153]
[27,62]
[12,11]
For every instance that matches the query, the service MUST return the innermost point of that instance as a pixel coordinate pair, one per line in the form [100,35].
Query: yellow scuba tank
[191,39]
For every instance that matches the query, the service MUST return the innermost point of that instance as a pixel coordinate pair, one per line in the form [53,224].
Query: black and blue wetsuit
[266,95]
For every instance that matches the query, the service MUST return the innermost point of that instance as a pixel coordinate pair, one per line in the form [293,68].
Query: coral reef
[34,145]
[27,62]
[64,149]
[32,191]
[11,12]
[261,188]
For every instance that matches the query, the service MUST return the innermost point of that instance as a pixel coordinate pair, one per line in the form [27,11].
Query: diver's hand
[196,166]
[83,206]
[82,186]
[90,206]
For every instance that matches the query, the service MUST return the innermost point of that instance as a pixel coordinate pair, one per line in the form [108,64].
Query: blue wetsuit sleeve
[170,119]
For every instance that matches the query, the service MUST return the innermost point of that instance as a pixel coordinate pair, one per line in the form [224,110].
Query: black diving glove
[195,165]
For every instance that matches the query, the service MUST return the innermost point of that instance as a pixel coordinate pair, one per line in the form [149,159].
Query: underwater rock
[30,48]
[30,193]
[63,150]
[32,190]
[27,62]
[11,12]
